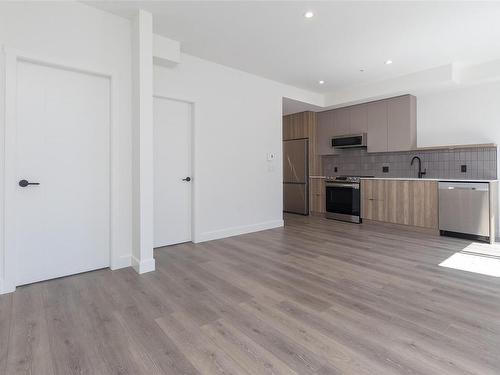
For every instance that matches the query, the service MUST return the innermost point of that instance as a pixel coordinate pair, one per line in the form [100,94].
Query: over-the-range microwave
[349,141]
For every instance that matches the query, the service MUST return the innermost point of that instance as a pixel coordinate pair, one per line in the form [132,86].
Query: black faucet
[420,172]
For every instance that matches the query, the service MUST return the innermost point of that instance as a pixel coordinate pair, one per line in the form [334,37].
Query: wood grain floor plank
[252,357]
[202,352]
[6,325]
[28,352]
[159,349]
[316,297]
[68,341]
[96,316]
[340,357]
[415,343]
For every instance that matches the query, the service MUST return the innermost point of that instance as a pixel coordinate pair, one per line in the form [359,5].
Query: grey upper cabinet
[390,124]
[324,132]
[330,124]
[401,123]
[341,121]
[358,119]
[376,113]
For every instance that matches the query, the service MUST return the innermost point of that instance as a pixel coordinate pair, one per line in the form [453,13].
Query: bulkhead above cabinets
[390,125]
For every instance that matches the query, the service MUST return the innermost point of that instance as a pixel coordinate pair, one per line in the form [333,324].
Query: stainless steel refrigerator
[296,176]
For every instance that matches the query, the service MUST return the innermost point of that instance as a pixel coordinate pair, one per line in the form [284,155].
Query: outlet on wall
[335,169]
[463,168]
[385,169]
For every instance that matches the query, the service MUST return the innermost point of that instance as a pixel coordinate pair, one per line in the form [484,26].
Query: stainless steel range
[343,198]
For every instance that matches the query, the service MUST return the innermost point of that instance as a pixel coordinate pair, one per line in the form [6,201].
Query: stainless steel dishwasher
[464,210]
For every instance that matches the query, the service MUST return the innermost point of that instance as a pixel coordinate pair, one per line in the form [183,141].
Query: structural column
[142,142]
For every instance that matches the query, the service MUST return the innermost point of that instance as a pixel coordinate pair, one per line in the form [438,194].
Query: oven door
[343,201]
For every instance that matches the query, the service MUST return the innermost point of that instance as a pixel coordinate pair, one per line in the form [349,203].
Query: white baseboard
[235,231]
[144,266]
[121,262]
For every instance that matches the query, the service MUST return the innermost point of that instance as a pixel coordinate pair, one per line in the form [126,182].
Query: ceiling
[275,40]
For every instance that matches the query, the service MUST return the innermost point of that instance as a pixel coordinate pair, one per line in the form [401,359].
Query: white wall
[462,115]
[73,32]
[237,122]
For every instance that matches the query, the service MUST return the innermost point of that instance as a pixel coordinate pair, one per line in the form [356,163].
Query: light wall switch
[271,156]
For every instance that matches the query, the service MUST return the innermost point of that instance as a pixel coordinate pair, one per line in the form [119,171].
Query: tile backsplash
[480,162]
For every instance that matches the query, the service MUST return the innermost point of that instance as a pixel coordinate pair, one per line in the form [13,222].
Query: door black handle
[24,183]
[187,179]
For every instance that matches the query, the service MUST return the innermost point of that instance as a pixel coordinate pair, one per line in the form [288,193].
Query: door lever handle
[187,179]
[24,183]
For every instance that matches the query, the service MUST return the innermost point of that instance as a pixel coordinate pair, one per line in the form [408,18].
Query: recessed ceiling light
[388,62]
[321,82]
[309,14]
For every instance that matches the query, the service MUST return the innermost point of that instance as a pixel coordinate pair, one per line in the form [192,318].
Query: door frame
[11,59]
[192,155]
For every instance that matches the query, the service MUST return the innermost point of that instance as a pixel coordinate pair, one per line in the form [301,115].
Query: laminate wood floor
[315,297]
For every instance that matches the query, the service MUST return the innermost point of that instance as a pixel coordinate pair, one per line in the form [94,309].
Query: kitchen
[362,163]
[185,124]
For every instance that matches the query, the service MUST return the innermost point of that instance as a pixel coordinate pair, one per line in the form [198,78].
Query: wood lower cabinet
[317,193]
[405,202]
[397,195]
[423,203]
[373,200]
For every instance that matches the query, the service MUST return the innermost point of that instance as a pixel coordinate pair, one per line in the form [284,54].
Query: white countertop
[425,179]
[410,179]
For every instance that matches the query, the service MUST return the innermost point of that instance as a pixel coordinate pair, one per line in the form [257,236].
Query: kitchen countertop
[425,179]
[410,179]
[455,147]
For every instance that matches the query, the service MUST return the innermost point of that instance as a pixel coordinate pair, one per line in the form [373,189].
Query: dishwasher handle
[460,188]
[468,186]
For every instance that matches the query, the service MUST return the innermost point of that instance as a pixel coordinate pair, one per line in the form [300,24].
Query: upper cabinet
[341,121]
[330,124]
[390,125]
[297,125]
[324,132]
[358,119]
[376,112]
[401,123]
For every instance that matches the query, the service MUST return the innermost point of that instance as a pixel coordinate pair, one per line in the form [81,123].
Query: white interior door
[172,165]
[63,124]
